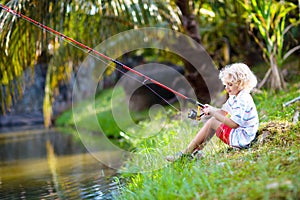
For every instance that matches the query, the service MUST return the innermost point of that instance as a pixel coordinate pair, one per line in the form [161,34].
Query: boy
[236,123]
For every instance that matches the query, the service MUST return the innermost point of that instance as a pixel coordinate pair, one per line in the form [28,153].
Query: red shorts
[223,133]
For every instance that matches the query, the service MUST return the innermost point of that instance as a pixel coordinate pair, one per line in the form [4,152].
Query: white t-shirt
[242,111]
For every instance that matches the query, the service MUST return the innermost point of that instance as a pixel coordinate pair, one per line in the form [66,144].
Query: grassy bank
[265,171]
[268,170]
[101,107]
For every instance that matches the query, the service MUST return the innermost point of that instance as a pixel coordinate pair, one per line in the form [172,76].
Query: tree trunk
[190,25]
[188,20]
[276,78]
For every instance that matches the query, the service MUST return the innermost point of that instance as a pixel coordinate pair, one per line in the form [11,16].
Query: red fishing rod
[90,50]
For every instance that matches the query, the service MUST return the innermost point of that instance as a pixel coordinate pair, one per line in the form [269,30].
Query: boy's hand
[219,115]
[208,109]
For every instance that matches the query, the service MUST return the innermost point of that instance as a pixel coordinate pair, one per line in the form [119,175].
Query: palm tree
[22,45]
[270,19]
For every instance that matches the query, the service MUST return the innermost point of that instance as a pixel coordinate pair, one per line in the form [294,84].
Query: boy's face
[232,88]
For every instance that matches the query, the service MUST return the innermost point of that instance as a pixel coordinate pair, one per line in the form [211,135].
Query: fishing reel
[195,115]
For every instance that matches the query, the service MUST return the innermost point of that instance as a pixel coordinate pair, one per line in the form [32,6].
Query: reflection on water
[41,164]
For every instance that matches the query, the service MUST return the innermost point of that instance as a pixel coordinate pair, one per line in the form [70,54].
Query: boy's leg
[205,133]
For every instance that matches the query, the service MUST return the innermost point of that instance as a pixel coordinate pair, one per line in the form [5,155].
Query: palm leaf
[22,42]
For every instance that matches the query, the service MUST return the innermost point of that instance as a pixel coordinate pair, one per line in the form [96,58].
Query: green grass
[97,114]
[268,170]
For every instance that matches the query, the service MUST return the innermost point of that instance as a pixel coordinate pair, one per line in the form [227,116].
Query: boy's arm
[220,115]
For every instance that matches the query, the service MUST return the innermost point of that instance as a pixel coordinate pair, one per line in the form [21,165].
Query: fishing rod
[91,50]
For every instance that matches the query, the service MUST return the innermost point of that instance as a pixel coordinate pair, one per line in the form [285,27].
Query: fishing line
[105,62]
[97,55]
[119,70]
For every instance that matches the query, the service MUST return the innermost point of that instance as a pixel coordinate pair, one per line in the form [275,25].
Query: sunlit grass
[97,114]
[267,170]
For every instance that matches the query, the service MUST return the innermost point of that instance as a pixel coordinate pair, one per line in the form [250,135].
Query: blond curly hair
[240,74]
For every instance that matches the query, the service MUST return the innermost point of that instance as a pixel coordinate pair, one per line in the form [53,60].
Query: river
[48,164]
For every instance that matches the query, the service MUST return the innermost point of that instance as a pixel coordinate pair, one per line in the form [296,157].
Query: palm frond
[89,22]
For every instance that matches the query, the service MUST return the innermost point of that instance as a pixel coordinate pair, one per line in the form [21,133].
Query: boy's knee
[214,123]
[212,120]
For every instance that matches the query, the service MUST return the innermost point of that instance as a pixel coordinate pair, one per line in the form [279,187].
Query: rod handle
[193,101]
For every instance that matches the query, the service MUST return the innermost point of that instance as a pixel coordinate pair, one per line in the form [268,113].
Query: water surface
[48,164]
